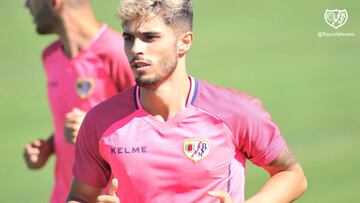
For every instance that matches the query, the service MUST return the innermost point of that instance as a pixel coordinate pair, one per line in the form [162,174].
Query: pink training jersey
[202,148]
[95,74]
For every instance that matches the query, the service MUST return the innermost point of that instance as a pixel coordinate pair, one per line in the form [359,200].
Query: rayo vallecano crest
[336,18]
[196,149]
[84,86]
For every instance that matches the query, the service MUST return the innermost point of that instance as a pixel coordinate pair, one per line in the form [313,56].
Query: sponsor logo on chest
[129,150]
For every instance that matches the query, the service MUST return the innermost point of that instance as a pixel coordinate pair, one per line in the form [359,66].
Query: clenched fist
[72,124]
[38,152]
[222,196]
[111,197]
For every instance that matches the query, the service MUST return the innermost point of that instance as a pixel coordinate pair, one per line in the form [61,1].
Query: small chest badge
[84,86]
[196,149]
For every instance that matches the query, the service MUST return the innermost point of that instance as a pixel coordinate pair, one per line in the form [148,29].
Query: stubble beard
[167,67]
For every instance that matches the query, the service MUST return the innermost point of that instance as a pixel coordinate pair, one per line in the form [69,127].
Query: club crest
[336,18]
[84,87]
[196,149]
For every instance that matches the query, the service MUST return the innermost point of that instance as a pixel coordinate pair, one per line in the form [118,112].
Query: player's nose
[138,47]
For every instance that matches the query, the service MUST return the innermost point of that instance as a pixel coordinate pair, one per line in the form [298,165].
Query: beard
[166,68]
[45,20]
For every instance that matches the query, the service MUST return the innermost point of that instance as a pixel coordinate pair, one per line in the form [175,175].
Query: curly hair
[175,13]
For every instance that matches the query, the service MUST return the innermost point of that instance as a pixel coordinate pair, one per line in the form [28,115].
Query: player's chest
[194,148]
[74,75]
[74,81]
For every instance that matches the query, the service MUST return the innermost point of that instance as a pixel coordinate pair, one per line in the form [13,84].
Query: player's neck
[166,100]
[77,30]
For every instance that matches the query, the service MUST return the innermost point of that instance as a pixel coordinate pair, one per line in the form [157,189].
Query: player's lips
[139,65]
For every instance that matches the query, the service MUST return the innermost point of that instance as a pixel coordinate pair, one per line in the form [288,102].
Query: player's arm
[260,140]
[90,171]
[287,180]
[81,192]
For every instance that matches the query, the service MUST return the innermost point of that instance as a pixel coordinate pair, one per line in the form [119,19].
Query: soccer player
[173,138]
[85,66]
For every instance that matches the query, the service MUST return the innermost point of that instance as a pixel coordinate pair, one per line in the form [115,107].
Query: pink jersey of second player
[203,148]
[95,74]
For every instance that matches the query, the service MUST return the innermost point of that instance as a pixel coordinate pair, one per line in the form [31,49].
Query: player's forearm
[285,186]
[81,192]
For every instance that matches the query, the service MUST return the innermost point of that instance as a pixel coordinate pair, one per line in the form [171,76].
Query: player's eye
[128,38]
[150,38]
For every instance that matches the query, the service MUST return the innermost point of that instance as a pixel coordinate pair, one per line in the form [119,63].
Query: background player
[175,138]
[85,66]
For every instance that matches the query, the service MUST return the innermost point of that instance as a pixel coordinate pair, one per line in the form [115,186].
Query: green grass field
[310,85]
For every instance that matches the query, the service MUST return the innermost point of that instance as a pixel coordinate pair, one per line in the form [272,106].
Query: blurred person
[84,66]
[173,138]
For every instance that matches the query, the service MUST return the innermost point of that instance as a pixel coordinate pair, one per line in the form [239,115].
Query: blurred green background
[310,85]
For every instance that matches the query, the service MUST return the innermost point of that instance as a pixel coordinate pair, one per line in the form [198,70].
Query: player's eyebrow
[142,33]
[150,33]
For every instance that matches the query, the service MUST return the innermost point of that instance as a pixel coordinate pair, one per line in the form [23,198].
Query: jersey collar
[190,100]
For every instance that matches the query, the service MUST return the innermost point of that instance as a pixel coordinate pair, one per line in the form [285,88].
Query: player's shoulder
[51,48]
[224,102]
[209,93]
[115,108]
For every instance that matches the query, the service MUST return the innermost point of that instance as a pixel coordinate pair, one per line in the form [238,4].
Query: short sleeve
[258,136]
[89,166]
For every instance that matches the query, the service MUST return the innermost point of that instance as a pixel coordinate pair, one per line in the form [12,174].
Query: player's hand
[111,197]
[224,197]
[37,153]
[72,124]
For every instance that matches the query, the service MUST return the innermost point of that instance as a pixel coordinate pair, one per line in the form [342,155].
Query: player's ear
[55,5]
[185,42]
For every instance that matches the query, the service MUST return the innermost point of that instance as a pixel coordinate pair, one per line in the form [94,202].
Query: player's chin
[147,81]
[43,29]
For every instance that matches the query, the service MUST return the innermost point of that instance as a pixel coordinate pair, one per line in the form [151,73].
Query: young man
[85,66]
[173,138]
